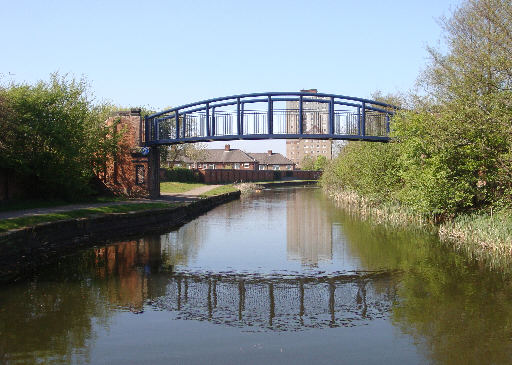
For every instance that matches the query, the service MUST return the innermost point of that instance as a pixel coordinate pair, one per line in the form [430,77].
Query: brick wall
[129,172]
[231,176]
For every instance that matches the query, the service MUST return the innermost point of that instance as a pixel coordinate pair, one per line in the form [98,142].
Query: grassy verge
[15,223]
[34,204]
[220,190]
[178,187]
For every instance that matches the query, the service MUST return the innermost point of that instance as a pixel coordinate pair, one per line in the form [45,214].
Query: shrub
[53,134]
[181,175]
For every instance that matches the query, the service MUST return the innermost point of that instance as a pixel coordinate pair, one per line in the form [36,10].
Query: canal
[280,277]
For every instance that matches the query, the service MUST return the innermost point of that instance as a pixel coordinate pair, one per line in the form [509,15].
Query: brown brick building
[315,120]
[128,173]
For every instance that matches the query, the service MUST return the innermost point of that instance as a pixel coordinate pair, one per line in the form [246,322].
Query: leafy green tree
[310,163]
[456,146]
[320,163]
[368,169]
[170,155]
[55,135]
[453,147]
[307,163]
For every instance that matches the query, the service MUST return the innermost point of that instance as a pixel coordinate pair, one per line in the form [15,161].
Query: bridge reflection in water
[279,303]
[133,272]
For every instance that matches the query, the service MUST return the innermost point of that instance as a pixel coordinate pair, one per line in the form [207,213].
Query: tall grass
[486,237]
[378,212]
[483,235]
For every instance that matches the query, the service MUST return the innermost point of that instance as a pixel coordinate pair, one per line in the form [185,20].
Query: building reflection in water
[309,234]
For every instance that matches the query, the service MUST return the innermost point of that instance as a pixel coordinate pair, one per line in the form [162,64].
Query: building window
[237,166]
[289,167]
[211,166]
[262,167]
[140,175]
[276,167]
[246,165]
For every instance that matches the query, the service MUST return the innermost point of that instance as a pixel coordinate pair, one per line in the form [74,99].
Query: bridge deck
[271,116]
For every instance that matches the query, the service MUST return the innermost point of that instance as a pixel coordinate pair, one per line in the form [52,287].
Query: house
[272,161]
[226,158]
[236,159]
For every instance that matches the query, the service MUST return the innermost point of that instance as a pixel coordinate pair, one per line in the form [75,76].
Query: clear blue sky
[167,53]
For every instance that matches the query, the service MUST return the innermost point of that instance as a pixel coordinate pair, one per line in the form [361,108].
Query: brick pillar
[154,172]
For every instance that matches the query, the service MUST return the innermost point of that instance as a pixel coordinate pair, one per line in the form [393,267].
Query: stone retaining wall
[23,251]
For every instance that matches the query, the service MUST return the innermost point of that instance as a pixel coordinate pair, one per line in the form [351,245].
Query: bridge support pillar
[154,172]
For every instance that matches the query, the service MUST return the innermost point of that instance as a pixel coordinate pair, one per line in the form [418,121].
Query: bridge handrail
[313,96]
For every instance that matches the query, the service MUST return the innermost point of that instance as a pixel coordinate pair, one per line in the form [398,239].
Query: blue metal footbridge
[272,115]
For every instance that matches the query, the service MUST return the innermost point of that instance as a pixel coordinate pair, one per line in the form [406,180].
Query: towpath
[186,196]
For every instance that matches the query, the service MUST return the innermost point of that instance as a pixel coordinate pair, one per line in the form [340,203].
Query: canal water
[281,277]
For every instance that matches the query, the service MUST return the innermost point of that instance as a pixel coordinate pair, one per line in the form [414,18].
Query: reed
[484,236]
[378,212]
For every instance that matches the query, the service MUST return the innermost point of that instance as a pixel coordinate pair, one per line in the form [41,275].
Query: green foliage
[320,163]
[182,175]
[16,223]
[309,163]
[54,134]
[224,189]
[368,169]
[453,149]
[178,187]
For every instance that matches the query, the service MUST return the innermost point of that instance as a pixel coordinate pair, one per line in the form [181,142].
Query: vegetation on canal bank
[224,189]
[450,159]
[21,222]
[178,187]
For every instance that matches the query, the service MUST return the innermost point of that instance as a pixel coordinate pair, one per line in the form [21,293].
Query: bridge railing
[271,115]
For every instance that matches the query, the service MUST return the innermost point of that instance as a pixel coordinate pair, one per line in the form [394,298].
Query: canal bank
[24,250]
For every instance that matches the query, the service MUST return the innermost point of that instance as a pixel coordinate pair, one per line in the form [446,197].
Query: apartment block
[315,120]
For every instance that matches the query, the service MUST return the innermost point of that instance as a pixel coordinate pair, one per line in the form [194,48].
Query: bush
[53,134]
[180,174]
[368,169]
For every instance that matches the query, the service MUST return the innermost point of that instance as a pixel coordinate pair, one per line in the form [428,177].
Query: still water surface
[282,277]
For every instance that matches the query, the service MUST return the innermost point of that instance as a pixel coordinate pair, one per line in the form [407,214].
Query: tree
[320,163]
[310,163]
[169,155]
[54,134]
[467,110]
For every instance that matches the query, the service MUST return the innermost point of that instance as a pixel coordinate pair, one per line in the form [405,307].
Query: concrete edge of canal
[23,251]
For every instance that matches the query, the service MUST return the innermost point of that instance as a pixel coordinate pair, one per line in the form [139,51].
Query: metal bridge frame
[178,116]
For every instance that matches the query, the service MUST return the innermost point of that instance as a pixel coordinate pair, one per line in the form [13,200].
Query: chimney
[313,91]
[227,147]
[269,152]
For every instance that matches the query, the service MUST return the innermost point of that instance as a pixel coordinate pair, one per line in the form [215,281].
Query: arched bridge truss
[274,115]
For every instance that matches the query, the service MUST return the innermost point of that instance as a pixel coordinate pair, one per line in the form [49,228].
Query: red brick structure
[133,171]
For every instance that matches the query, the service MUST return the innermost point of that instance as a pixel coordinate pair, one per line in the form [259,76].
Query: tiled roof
[221,155]
[234,155]
[271,159]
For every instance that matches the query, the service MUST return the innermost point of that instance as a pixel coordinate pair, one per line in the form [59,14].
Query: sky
[161,54]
